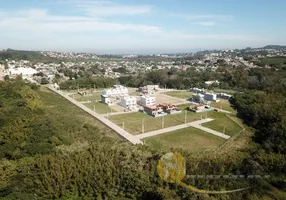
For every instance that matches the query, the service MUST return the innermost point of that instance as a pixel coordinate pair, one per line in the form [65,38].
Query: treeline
[266,112]
[238,78]
[11,54]
[92,82]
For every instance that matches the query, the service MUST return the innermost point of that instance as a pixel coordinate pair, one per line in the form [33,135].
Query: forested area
[237,78]
[50,150]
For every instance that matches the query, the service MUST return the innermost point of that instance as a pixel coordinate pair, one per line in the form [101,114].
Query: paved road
[195,124]
[198,124]
[119,130]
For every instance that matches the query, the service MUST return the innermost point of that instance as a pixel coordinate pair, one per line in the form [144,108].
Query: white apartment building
[24,72]
[128,101]
[116,90]
[147,101]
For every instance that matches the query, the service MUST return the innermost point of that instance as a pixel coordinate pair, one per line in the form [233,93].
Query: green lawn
[133,121]
[223,104]
[221,120]
[189,139]
[96,96]
[180,94]
[100,108]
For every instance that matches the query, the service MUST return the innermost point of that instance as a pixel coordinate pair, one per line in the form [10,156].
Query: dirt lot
[161,98]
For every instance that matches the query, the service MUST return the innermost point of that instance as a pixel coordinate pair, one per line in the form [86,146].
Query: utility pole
[93,108]
[73,96]
[142,125]
[123,125]
[163,122]
[185,116]
[224,129]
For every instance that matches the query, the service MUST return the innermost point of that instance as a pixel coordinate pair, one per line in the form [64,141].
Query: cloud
[107,8]
[206,23]
[207,17]
[40,20]
[205,20]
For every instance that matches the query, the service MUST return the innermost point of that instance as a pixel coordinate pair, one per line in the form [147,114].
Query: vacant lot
[99,107]
[133,121]
[189,139]
[223,104]
[71,119]
[180,94]
[221,121]
[94,97]
[161,98]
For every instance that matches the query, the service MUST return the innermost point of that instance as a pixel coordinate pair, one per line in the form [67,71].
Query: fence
[227,141]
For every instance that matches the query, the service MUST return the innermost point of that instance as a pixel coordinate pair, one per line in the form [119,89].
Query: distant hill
[278,47]
[12,54]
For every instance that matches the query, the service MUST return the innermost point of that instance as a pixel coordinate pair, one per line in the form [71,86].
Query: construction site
[149,113]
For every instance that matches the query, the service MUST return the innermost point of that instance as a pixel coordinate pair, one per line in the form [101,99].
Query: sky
[140,26]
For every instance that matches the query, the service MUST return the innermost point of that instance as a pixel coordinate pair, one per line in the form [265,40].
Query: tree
[44,81]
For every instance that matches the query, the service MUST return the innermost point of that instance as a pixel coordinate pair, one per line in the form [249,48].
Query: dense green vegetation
[277,62]
[88,82]
[25,55]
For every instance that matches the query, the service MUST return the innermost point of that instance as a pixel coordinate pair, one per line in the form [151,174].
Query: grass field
[96,96]
[72,119]
[276,61]
[223,104]
[99,107]
[133,121]
[180,94]
[220,121]
[189,139]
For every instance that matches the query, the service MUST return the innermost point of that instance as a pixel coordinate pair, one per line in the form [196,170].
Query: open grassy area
[221,121]
[223,104]
[71,119]
[275,61]
[189,139]
[180,94]
[99,107]
[133,121]
[96,96]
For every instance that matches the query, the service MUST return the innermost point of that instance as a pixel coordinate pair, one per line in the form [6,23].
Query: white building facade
[147,101]
[116,90]
[128,101]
